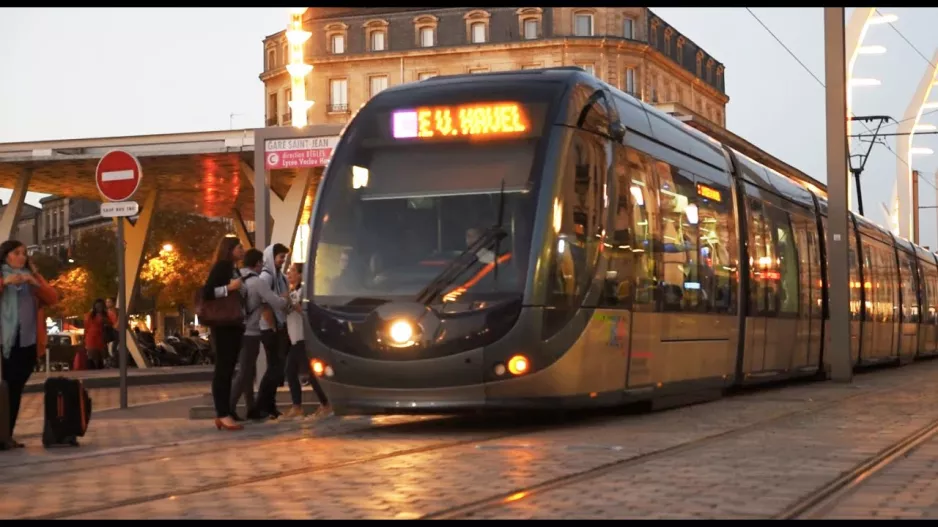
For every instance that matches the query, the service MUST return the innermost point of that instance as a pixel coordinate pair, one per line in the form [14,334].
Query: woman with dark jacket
[23,295]
[225,279]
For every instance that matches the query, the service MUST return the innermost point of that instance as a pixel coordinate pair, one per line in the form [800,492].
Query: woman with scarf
[22,322]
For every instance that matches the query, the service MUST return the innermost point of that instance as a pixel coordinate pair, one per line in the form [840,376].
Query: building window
[271,59]
[338,44]
[336,34]
[272,109]
[424,75]
[628,30]
[583,24]
[668,33]
[425,27]
[630,81]
[477,26]
[700,64]
[377,34]
[529,19]
[287,111]
[378,83]
[338,95]
[427,37]
[286,53]
[377,41]
[477,30]
[589,68]
[680,50]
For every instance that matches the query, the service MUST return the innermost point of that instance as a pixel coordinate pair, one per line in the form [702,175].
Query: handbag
[219,311]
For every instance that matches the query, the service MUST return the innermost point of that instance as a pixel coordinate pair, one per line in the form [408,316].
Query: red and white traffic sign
[118,175]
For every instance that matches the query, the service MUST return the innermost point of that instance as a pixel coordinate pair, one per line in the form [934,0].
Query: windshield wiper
[459,264]
[467,258]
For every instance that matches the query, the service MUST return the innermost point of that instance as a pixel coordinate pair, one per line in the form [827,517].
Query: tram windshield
[404,196]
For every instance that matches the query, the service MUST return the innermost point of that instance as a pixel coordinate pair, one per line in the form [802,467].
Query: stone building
[357,52]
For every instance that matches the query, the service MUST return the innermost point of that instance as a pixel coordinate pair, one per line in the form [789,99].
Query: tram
[538,239]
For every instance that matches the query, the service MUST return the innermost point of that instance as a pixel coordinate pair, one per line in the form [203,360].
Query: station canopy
[208,173]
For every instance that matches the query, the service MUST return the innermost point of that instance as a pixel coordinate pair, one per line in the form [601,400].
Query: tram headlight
[518,365]
[401,332]
[319,368]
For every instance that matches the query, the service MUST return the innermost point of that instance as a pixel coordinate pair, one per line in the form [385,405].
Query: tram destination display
[500,119]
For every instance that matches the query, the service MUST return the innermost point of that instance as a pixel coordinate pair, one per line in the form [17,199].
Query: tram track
[251,437]
[826,497]
[833,490]
[524,430]
[460,510]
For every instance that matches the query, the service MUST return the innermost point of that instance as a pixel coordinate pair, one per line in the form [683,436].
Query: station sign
[302,152]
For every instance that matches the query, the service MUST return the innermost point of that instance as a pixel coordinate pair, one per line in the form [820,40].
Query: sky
[97,72]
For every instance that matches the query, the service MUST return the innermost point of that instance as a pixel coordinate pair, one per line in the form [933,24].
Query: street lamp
[167,247]
[298,68]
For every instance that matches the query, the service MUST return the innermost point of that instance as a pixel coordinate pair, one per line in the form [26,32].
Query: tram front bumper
[347,399]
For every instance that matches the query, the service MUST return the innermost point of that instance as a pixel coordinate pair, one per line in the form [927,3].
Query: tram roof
[204,172]
[675,110]
[728,138]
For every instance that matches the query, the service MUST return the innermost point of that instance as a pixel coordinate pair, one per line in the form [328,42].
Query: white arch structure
[905,150]
[854,33]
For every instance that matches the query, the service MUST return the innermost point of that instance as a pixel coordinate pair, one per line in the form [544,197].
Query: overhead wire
[920,54]
[819,81]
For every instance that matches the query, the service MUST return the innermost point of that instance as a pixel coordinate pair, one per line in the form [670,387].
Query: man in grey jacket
[259,294]
[273,326]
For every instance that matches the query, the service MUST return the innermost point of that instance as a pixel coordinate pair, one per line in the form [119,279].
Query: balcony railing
[287,118]
[271,121]
[338,108]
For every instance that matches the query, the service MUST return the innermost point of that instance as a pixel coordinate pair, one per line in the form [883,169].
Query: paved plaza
[747,456]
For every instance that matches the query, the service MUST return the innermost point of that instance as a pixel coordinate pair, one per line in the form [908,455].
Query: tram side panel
[684,326]
[779,324]
[928,287]
[908,317]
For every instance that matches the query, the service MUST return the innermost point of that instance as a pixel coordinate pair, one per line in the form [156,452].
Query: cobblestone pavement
[408,467]
[908,488]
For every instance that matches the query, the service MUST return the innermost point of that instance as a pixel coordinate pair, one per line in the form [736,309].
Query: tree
[178,257]
[96,252]
[74,294]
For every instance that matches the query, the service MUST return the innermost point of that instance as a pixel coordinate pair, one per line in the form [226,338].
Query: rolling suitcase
[67,412]
[6,440]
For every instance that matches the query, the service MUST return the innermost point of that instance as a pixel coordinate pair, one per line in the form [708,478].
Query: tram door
[761,297]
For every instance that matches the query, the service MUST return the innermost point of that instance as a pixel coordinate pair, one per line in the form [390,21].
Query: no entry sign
[118,175]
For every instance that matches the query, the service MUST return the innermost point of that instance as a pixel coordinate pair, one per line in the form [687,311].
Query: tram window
[717,249]
[786,261]
[895,313]
[869,276]
[679,288]
[617,287]
[580,208]
[883,285]
[932,281]
[644,221]
[762,261]
[853,261]
[909,297]
[799,229]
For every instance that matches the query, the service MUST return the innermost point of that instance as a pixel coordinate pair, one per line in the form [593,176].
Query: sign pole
[121,313]
[118,177]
